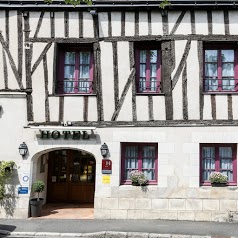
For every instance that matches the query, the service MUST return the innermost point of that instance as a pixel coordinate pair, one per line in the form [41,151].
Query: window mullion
[140,157]
[76,76]
[148,88]
[217,159]
[236,69]
[158,72]
[219,70]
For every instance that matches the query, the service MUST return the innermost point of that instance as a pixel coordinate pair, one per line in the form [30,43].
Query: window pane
[142,85]
[68,86]
[84,72]
[85,57]
[153,84]
[131,151]
[153,70]
[83,85]
[208,162]
[210,55]
[69,72]
[225,152]
[211,84]
[69,58]
[211,70]
[142,70]
[148,151]
[153,56]
[227,55]
[208,152]
[142,56]
[228,69]
[228,84]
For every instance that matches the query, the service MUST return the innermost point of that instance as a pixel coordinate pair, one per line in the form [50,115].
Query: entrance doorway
[71,177]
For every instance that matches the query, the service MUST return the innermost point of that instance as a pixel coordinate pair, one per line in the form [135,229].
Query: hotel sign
[75,135]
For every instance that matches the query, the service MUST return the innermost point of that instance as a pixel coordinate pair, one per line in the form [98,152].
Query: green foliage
[217,177]
[73,2]
[164,4]
[6,171]
[38,187]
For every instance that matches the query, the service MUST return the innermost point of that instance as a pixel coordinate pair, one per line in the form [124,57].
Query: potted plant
[138,178]
[218,179]
[36,203]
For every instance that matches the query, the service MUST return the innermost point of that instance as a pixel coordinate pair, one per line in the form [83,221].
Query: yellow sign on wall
[106,179]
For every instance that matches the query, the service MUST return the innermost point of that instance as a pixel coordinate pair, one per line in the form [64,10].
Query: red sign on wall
[106,166]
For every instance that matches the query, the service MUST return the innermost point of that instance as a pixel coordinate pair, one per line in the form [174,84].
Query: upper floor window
[75,70]
[220,69]
[148,68]
[141,157]
[218,158]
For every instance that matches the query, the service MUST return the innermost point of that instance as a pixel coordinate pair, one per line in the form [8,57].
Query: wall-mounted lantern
[23,149]
[104,150]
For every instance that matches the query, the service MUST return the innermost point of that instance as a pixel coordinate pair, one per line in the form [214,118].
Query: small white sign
[25,178]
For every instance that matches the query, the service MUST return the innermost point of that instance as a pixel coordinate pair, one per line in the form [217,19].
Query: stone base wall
[150,202]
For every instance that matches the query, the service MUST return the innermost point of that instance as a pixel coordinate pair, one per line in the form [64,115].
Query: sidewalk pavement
[116,228]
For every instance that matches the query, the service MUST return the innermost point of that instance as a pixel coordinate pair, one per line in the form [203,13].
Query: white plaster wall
[143,23]
[33,21]
[172,18]
[193,82]
[45,30]
[38,94]
[37,50]
[123,74]
[2,85]
[207,108]
[178,100]
[234,106]
[73,108]
[74,24]
[116,23]
[218,22]
[126,109]
[130,24]
[50,65]
[156,23]
[107,80]
[88,30]
[12,120]
[201,22]
[159,107]
[12,82]
[233,19]
[185,25]
[13,36]
[54,108]
[179,50]
[92,109]
[123,64]
[221,107]
[142,108]
[103,24]
[3,23]
[59,24]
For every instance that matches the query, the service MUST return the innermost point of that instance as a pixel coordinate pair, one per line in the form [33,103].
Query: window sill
[150,94]
[220,93]
[73,95]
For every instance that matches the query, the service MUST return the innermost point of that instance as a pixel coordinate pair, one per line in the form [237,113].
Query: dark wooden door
[71,177]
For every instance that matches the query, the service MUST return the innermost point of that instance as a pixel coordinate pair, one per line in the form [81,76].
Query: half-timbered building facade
[158,86]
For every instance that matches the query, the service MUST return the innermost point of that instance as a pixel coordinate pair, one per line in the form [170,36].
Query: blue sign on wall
[23,190]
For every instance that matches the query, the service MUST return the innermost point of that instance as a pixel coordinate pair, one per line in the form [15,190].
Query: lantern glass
[23,149]
[104,150]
